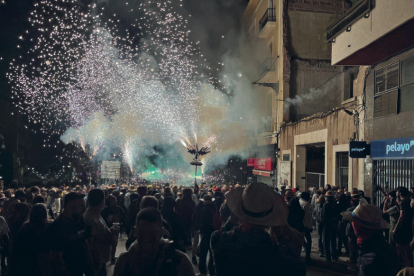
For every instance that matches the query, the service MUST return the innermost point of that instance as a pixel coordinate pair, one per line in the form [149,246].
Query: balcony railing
[269,16]
[268,65]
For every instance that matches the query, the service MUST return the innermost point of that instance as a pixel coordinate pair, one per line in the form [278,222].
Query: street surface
[318,268]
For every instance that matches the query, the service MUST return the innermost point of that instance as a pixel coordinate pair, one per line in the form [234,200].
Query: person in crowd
[248,249]
[391,208]
[177,228]
[349,232]
[150,254]
[149,202]
[341,235]
[225,212]
[134,209]
[168,193]
[206,229]
[114,218]
[29,246]
[330,220]
[100,237]
[4,242]
[70,254]
[376,256]
[185,208]
[403,231]
[127,200]
[296,214]
[197,224]
[317,213]
[18,215]
[304,202]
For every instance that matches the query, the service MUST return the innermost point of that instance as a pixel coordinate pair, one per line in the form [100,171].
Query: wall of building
[307,35]
[384,17]
[333,129]
[387,127]
[333,87]
[392,126]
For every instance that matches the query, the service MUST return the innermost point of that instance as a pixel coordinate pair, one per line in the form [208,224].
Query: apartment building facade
[312,102]
[377,36]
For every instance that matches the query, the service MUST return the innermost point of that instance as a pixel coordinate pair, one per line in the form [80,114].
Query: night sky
[210,20]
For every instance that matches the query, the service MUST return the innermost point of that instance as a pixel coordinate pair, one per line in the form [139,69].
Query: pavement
[318,266]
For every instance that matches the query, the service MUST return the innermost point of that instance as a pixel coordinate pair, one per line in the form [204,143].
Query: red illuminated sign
[250,162]
[264,164]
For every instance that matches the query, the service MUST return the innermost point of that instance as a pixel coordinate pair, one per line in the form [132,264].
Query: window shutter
[386,104]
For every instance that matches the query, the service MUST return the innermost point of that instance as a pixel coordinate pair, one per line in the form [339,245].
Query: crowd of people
[231,230]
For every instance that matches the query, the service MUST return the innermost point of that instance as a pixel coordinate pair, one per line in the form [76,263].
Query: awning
[262,173]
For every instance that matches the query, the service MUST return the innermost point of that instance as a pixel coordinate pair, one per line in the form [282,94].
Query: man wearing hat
[330,219]
[376,255]
[248,249]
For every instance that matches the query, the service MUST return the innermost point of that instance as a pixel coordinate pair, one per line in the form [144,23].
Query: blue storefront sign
[398,148]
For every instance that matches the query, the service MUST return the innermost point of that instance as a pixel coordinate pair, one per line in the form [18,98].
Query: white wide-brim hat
[258,204]
[368,215]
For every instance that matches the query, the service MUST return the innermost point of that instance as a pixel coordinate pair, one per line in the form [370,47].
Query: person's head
[8,193]
[342,199]
[169,203]
[403,192]
[289,194]
[20,212]
[73,205]
[38,199]
[96,199]
[35,190]
[20,195]
[133,196]
[328,187]
[38,214]
[187,192]
[142,190]
[329,196]
[149,201]
[305,196]
[167,190]
[148,228]
[319,192]
[112,201]
[321,200]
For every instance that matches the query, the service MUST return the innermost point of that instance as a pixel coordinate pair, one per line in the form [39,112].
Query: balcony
[371,31]
[267,23]
[268,71]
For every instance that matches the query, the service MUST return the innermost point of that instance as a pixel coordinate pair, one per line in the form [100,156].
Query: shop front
[263,169]
[393,164]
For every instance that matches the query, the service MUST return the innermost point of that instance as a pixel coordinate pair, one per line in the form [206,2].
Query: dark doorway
[315,166]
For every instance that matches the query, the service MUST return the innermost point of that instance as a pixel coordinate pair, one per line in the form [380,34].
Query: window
[406,95]
[342,161]
[386,78]
[286,157]
[394,88]
[386,90]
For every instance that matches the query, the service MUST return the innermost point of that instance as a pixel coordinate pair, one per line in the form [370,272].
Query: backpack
[217,221]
